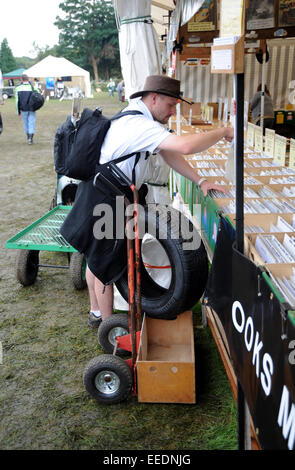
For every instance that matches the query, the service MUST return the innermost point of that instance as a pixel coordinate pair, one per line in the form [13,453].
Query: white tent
[60,67]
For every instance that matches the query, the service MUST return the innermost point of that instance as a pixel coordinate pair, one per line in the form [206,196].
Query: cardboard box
[166,361]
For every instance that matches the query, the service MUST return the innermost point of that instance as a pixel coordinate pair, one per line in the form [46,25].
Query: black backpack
[77,148]
[36,100]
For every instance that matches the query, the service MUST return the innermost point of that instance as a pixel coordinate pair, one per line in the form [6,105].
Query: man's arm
[181,166]
[173,146]
[193,143]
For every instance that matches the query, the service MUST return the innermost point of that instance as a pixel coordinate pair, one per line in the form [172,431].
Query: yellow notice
[269,145]
[280,149]
[258,139]
[231,14]
[250,135]
[292,154]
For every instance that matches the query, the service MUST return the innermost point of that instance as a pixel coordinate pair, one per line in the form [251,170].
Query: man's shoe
[94,321]
[30,139]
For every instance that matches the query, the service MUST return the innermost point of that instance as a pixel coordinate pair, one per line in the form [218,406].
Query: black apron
[106,258]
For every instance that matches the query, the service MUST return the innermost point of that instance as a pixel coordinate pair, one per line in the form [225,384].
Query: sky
[28,21]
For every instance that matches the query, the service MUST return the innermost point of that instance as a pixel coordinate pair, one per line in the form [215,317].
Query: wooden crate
[166,361]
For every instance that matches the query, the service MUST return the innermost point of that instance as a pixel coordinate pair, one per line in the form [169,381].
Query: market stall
[249,296]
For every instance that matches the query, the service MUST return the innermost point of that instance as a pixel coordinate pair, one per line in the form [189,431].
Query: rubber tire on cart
[53,203]
[26,266]
[115,325]
[78,270]
[189,267]
[108,379]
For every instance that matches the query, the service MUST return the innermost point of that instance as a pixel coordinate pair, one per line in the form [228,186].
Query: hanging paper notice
[258,139]
[250,135]
[231,14]
[280,149]
[292,154]
[221,59]
[269,146]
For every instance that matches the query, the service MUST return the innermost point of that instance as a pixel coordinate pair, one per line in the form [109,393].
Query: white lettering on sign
[263,367]
[286,419]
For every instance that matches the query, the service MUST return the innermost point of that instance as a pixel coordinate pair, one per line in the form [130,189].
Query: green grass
[47,343]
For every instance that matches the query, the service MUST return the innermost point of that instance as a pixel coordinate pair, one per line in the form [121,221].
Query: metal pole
[239,165]
[262,90]
[239,160]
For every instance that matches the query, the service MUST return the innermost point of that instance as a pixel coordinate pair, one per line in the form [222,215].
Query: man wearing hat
[141,134]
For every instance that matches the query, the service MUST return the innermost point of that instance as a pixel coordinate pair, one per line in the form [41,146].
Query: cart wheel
[78,270]
[26,266]
[115,325]
[108,379]
[53,203]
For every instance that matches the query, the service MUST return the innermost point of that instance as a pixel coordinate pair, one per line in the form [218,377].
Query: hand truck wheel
[108,379]
[109,329]
[26,266]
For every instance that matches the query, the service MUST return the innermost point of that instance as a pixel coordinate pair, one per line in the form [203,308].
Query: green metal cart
[44,235]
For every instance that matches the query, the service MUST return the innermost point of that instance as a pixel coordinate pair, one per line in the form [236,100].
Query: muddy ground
[46,342]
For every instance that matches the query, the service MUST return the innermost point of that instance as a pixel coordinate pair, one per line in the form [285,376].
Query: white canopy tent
[60,67]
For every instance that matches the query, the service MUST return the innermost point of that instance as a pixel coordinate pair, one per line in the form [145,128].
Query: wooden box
[166,361]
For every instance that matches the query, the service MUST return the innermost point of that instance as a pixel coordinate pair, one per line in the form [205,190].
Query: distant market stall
[49,69]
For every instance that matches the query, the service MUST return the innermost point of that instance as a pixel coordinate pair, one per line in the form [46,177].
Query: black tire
[189,267]
[26,266]
[108,379]
[115,325]
[78,270]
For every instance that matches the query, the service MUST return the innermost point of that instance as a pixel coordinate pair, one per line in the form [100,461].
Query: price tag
[258,139]
[269,146]
[250,135]
[280,149]
[292,154]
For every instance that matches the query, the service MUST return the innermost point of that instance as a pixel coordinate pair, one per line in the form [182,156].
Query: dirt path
[46,341]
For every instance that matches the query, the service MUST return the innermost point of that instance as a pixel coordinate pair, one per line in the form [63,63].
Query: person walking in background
[111,87]
[23,108]
[255,105]
[121,91]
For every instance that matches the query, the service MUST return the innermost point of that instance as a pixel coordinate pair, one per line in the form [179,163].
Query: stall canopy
[139,46]
[60,67]
[14,74]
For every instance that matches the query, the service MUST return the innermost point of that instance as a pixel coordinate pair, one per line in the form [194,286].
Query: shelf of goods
[269,251]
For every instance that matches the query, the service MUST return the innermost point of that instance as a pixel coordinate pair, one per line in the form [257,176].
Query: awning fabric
[139,47]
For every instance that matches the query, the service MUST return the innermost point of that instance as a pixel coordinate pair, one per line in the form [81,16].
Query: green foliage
[7,61]
[88,33]
[24,62]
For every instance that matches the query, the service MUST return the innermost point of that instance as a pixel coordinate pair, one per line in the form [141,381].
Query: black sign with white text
[261,340]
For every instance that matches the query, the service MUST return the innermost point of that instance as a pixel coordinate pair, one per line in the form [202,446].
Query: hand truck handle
[117,173]
[100,179]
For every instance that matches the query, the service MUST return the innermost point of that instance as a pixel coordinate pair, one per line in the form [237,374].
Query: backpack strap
[125,113]
[125,157]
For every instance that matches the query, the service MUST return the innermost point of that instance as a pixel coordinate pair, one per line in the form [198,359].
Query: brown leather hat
[161,84]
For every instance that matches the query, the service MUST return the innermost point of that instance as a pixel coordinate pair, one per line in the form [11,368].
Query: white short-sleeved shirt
[133,133]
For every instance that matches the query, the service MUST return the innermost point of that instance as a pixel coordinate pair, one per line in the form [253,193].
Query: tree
[88,30]
[7,61]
